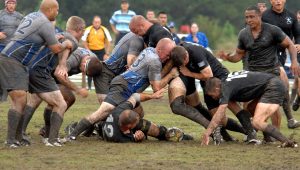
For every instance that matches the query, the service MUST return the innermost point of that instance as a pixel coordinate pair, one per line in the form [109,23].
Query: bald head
[49,8]
[139,25]
[164,48]
[128,118]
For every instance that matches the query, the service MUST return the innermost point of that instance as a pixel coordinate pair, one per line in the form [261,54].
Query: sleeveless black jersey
[155,33]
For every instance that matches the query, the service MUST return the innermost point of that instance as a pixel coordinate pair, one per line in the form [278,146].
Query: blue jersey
[34,31]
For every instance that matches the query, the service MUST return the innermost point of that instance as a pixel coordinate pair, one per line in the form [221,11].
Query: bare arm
[167,68]
[130,59]
[203,75]
[293,55]
[114,29]
[107,49]
[59,47]
[234,58]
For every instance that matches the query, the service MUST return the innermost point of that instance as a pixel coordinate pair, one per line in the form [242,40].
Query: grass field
[92,153]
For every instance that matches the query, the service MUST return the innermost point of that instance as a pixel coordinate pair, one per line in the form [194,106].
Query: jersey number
[25,24]
[237,74]
[137,62]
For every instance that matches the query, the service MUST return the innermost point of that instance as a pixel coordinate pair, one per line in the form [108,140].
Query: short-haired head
[50,9]
[177,55]
[253,8]
[128,119]
[211,84]
[164,48]
[137,25]
[93,67]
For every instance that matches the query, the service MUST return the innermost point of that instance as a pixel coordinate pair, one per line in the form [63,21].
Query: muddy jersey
[34,31]
[262,51]
[199,58]
[129,44]
[244,86]
[147,67]
[46,59]
[74,61]
[155,33]
[9,22]
[111,129]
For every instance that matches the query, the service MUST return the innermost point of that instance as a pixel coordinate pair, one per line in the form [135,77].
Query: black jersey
[262,51]
[111,129]
[285,20]
[199,58]
[244,86]
[155,33]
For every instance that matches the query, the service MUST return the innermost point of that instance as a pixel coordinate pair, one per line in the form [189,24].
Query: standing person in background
[150,15]
[163,21]
[261,6]
[120,20]
[197,37]
[9,22]
[97,39]
[173,32]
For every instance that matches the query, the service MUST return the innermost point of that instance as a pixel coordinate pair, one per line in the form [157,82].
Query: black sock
[83,125]
[162,133]
[55,124]
[179,107]
[286,106]
[226,136]
[19,132]
[204,111]
[233,125]
[275,133]
[28,113]
[244,118]
[47,117]
[13,121]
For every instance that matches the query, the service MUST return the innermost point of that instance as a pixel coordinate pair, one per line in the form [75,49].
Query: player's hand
[68,44]
[295,68]
[139,136]
[62,71]
[298,48]
[185,71]
[205,139]
[59,36]
[2,35]
[222,55]
[195,39]
[174,72]
[159,94]
[83,92]
[105,57]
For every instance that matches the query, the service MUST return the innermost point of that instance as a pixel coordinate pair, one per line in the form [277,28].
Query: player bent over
[245,86]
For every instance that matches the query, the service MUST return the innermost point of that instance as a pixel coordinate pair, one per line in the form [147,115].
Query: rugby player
[266,92]
[34,31]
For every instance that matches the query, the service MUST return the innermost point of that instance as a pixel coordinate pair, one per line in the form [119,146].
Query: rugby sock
[28,113]
[244,118]
[162,133]
[233,125]
[204,111]
[55,122]
[226,136]
[80,127]
[274,132]
[13,122]
[179,107]
[286,106]
[19,132]
[293,95]
[47,117]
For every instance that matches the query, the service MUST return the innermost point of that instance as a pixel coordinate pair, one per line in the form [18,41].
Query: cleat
[12,145]
[25,142]
[42,132]
[187,137]
[70,128]
[45,140]
[254,142]
[217,137]
[288,144]
[67,139]
[53,144]
[293,124]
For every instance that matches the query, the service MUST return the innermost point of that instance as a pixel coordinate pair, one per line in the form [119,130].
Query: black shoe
[12,144]
[70,128]
[187,137]
[25,142]
[293,124]
[217,137]
[289,144]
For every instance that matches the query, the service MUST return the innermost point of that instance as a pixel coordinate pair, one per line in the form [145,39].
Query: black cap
[124,1]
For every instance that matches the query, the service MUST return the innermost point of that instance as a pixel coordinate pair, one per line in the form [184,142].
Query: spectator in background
[262,6]
[150,15]
[197,37]
[163,19]
[173,32]
[120,20]
[97,39]
[9,22]
[298,16]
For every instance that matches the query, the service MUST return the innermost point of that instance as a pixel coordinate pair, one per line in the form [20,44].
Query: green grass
[92,153]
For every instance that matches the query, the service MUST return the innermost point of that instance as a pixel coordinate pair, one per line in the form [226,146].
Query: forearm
[216,120]
[167,68]
[293,53]
[234,58]
[165,80]
[66,82]
[63,56]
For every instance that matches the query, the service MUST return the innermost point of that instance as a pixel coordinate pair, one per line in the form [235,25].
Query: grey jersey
[147,67]
[34,31]
[9,23]
[129,44]
[74,61]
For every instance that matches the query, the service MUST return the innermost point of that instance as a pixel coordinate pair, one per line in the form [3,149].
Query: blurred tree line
[219,19]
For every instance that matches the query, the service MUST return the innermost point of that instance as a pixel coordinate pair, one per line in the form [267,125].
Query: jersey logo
[289,20]
[237,74]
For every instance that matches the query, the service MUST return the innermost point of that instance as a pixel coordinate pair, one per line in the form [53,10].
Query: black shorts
[118,91]
[13,76]
[103,80]
[40,81]
[189,84]
[274,92]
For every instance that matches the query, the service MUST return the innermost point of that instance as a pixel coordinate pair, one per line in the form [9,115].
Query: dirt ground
[92,153]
